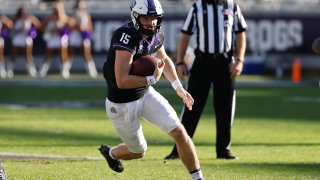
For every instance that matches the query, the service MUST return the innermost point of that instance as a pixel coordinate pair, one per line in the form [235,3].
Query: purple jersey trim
[118,46]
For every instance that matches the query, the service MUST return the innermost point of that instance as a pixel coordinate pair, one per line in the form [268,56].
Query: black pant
[208,70]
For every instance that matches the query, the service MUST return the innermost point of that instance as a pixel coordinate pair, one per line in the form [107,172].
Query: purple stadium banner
[266,34]
[282,34]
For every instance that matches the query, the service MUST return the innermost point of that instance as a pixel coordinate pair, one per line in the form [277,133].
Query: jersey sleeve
[240,24]
[189,22]
[124,39]
[159,41]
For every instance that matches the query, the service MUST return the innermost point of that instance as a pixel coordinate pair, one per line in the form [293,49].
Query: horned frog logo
[113,110]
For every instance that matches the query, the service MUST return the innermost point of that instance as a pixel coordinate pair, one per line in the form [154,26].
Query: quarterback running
[131,98]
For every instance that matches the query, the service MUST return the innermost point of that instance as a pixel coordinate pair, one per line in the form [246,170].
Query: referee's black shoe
[227,156]
[115,165]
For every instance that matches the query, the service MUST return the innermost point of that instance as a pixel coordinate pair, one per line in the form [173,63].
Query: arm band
[150,80]
[175,84]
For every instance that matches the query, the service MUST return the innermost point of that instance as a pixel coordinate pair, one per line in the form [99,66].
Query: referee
[220,30]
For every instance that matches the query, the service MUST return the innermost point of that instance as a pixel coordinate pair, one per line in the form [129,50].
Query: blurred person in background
[5,26]
[214,22]
[56,38]
[80,36]
[23,32]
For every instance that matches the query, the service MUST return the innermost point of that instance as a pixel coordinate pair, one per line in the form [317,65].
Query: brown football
[144,65]
[316,45]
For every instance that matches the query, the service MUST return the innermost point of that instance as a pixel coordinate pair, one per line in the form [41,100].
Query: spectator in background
[24,30]
[80,36]
[56,37]
[5,25]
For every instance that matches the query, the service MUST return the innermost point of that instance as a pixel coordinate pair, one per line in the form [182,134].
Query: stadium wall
[273,40]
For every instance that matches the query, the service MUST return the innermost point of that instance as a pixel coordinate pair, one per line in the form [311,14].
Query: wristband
[150,80]
[239,60]
[175,84]
[180,63]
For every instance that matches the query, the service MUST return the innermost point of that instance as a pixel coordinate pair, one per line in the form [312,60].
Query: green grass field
[276,135]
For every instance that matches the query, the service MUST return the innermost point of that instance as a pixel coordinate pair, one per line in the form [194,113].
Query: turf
[275,135]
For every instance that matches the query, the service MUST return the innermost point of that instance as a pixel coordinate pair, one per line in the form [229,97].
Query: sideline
[48,83]
[22,156]
[161,83]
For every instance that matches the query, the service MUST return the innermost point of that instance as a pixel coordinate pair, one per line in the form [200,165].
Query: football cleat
[2,172]
[115,165]
[171,156]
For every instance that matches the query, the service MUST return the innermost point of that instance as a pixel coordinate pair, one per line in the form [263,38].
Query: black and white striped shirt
[208,20]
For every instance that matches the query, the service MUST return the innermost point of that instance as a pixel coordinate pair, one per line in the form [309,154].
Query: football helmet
[146,8]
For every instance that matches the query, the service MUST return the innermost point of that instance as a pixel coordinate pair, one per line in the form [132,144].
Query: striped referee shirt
[209,20]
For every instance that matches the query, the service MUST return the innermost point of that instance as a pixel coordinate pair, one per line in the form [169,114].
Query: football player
[131,97]
[2,172]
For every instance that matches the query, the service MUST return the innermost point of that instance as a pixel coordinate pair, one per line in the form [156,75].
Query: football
[316,45]
[144,65]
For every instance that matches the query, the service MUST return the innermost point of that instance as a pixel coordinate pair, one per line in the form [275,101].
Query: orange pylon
[296,71]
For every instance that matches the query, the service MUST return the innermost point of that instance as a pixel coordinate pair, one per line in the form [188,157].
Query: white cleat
[2,172]
[44,70]
[32,69]
[10,73]
[65,72]
[91,67]
[3,73]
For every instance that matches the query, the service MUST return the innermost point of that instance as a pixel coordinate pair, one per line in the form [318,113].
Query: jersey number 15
[125,38]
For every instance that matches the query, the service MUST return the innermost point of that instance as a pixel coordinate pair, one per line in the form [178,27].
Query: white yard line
[20,156]
[302,99]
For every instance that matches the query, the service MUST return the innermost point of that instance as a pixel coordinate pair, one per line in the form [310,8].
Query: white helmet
[146,8]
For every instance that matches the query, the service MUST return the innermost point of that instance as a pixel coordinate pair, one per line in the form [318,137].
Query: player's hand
[236,69]
[187,98]
[181,71]
[159,70]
